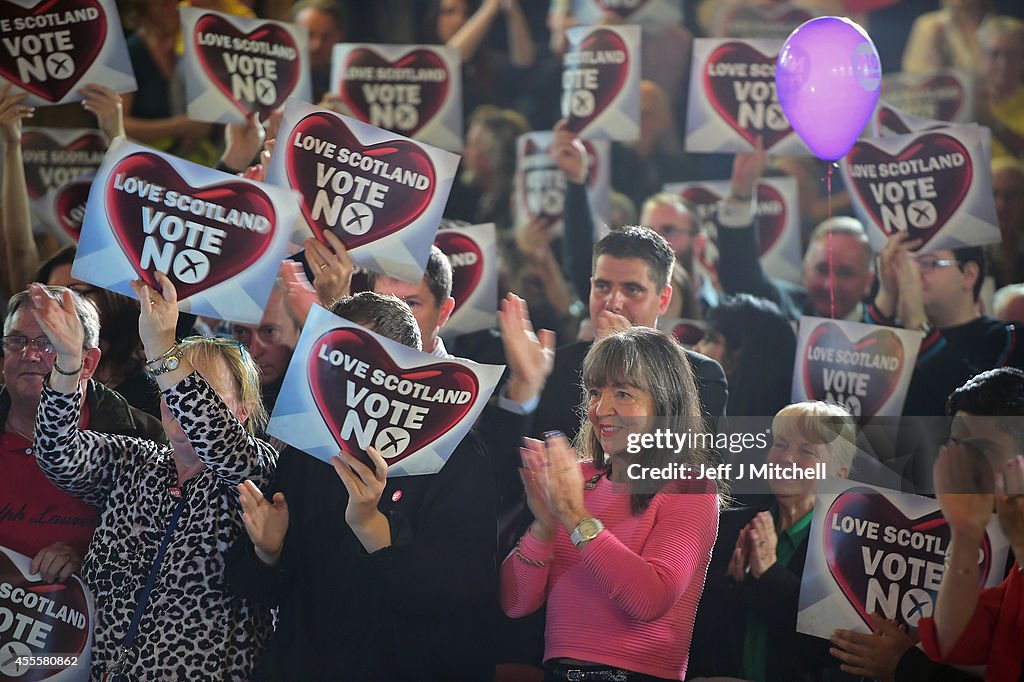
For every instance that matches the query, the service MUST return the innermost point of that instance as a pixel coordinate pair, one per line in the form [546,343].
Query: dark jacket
[420,609]
[108,413]
[718,636]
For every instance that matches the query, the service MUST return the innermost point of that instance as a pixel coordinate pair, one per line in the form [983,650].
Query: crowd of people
[133,444]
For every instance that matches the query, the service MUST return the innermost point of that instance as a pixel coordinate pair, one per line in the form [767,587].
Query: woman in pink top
[618,555]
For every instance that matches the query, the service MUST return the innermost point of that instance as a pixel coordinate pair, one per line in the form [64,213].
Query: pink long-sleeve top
[629,597]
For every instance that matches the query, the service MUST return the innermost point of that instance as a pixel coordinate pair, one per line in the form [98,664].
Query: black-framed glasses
[17,343]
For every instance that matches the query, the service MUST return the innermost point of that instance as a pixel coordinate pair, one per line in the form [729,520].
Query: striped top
[629,598]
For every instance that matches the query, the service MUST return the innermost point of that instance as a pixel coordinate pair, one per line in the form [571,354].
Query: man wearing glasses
[837,267]
[675,220]
[36,518]
[937,294]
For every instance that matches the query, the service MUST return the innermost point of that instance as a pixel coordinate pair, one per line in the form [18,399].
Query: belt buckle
[575,675]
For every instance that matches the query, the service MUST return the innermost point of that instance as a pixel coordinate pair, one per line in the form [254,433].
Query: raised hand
[243,141]
[266,522]
[300,296]
[608,323]
[332,268]
[106,105]
[763,541]
[58,319]
[534,474]
[364,490]
[569,153]
[564,482]
[12,113]
[158,314]
[964,485]
[1010,504]
[747,168]
[740,559]
[530,356]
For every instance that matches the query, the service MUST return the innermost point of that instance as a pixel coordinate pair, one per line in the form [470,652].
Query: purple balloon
[828,78]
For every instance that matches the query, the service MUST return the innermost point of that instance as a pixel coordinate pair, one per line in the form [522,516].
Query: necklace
[30,439]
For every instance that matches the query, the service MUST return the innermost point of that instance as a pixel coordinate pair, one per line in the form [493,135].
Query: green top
[755,636]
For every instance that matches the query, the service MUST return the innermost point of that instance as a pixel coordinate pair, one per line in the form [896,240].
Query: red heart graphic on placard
[771,217]
[725,87]
[49,66]
[69,205]
[923,217]
[587,104]
[771,209]
[836,368]
[762,22]
[369,100]
[256,91]
[402,203]
[624,8]
[849,545]
[203,262]
[67,635]
[543,184]
[891,120]
[334,386]
[50,164]
[467,263]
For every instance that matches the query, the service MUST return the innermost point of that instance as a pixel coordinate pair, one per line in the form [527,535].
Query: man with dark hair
[31,506]
[629,286]
[936,293]
[375,578]
[385,314]
[969,626]
[430,299]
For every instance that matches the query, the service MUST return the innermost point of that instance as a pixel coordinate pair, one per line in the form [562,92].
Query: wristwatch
[585,531]
[168,362]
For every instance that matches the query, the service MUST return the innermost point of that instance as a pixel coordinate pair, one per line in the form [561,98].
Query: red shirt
[993,635]
[34,513]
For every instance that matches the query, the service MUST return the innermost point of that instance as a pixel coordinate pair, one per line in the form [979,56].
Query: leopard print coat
[193,628]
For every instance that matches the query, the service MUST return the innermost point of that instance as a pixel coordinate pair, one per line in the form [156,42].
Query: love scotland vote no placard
[348,388]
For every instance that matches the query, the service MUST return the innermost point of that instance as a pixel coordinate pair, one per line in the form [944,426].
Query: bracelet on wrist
[74,372]
[525,559]
[163,355]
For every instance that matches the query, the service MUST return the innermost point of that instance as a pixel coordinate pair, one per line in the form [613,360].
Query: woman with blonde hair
[746,627]
[167,513]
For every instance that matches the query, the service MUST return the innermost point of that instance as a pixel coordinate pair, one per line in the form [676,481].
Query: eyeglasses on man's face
[17,343]
[930,264]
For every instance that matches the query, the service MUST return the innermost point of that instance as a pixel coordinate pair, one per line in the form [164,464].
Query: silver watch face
[171,363]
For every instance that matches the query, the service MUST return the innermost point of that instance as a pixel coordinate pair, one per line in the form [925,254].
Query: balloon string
[831,271]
